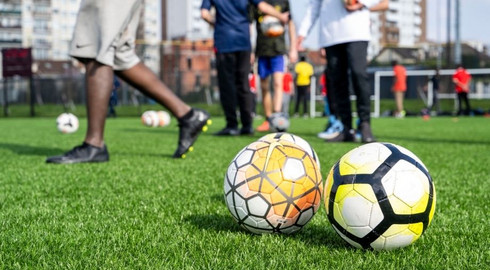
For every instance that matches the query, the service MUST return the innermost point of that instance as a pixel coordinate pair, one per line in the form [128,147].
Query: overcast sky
[475,21]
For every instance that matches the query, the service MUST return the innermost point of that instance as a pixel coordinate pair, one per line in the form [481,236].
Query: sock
[187,116]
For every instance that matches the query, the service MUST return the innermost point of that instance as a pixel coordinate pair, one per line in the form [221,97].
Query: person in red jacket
[399,87]
[462,79]
[288,90]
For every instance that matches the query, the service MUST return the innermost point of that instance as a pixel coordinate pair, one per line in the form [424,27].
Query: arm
[293,51]
[252,53]
[464,86]
[381,6]
[312,14]
[206,15]
[372,5]
[270,10]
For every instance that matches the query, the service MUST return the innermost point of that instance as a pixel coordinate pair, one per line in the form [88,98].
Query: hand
[284,18]
[353,7]
[299,43]
[323,52]
[252,59]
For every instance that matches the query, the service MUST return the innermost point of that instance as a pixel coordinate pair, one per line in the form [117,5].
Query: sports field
[144,210]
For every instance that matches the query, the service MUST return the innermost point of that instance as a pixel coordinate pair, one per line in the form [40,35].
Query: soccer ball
[271,26]
[272,187]
[293,139]
[164,118]
[67,123]
[150,119]
[379,196]
[279,122]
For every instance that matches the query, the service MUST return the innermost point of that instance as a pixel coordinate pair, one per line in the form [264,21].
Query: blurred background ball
[67,123]
[272,187]
[164,118]
[150,119]
[271,26]
[380,196]
[279,122]
[293,139]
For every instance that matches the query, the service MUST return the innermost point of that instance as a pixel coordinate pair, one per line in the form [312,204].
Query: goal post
[479,88]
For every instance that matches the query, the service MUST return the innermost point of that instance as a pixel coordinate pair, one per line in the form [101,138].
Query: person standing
[270,51]
[345,33]
[435,79]
[113,99]
[232,47]
[334,126]
[399,87]
[462,79]
[288,91]
[304,71]
[104,41]
[253,89]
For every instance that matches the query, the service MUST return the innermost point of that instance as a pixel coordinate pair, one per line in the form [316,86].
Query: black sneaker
[247,131]
[366,134]
[190,129]
[228,132]
[347,135]
[82,153]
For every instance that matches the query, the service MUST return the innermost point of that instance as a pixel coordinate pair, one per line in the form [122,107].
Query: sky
[474,21]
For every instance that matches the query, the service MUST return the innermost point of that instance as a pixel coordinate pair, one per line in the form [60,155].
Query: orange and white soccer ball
[163,118]
[273,187]
[380,196]
[67,123]
[271,26]
[150,119]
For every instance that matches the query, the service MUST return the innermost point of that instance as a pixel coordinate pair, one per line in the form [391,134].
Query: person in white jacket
[345,33]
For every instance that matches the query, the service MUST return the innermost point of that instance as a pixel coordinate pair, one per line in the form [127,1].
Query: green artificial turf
[144,210]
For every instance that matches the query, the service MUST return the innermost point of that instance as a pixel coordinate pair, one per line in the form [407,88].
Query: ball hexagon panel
[407,188]
[293,169]
[258,206]
[364,160]
[305,216]
[360,213]
[244,158]
[398,235]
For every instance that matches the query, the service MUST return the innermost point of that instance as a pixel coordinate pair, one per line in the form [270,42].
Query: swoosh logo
[81,45]
[269,152]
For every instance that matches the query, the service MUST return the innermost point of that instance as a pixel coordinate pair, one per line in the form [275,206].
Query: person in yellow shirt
[304,71]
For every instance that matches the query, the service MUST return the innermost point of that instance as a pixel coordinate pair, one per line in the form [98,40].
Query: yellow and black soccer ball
[380,196]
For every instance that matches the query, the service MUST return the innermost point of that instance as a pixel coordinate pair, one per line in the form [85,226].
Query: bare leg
[278,88]
[399,101]
[143,79]
[266,97]
[99,80]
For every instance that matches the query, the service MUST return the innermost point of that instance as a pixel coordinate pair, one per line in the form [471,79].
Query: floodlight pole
[448,46]
[457,44]
[439,41]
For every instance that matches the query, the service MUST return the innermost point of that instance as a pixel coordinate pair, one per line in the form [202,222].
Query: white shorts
[106,31]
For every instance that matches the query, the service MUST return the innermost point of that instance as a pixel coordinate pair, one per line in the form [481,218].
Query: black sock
[187,115]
